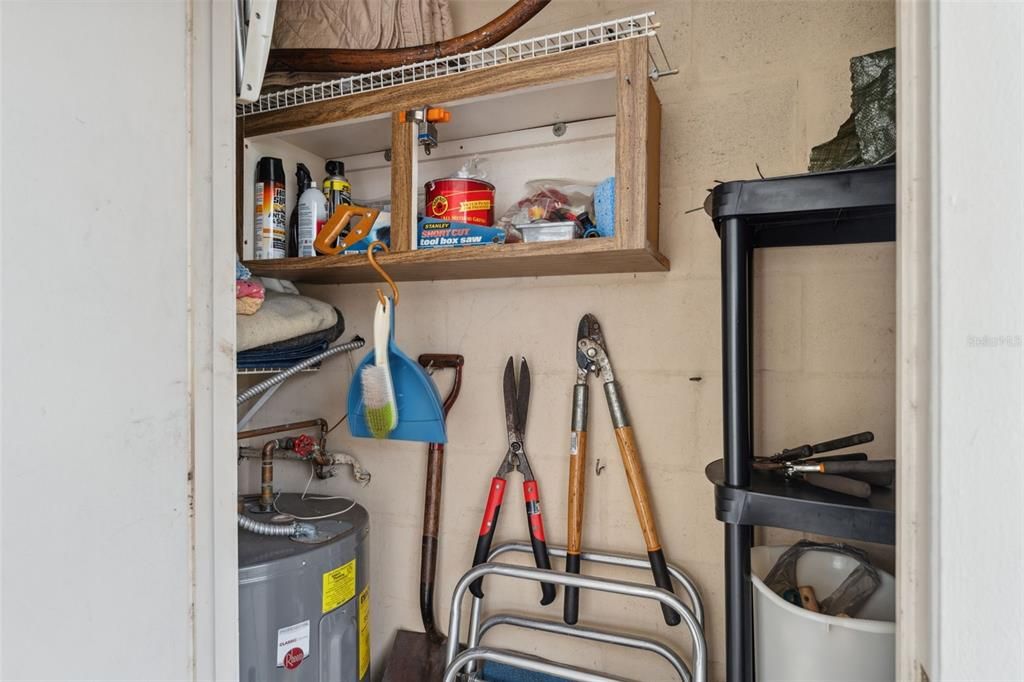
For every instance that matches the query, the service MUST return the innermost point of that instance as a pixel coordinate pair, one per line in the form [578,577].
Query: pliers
[592,359]
[517,402]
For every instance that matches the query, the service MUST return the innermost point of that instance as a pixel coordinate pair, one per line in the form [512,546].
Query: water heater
[304,603]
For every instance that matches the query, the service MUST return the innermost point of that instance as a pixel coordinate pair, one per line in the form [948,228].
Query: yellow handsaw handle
[326,241]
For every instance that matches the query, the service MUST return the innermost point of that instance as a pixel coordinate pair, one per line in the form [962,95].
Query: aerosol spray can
[336,186]
[312,209]
[271,223]
[303,180]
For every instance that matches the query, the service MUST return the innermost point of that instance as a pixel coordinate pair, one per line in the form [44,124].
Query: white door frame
[211,211]
[960,549]
[914,274]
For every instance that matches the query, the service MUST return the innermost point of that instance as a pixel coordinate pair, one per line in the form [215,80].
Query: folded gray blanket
[283,317]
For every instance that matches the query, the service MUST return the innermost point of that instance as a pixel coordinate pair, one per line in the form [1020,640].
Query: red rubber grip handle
[494,498]
[532,496]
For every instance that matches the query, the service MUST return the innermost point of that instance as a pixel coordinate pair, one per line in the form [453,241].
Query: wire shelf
[638,26]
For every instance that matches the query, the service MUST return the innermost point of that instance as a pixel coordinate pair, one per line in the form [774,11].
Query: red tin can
[461,200]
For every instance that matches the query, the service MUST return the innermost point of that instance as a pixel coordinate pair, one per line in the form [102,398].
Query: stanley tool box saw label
[339,586]
[440,234]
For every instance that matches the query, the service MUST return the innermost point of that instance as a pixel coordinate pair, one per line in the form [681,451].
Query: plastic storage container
[794,644]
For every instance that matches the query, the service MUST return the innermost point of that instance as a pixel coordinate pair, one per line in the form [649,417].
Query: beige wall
[760,83]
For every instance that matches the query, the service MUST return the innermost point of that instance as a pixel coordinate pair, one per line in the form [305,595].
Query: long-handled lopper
[415,655]
[517,402]
[592,358]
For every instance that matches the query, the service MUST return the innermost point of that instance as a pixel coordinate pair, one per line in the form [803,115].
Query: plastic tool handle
[577,489]
[840,484]
[844,442]
[884,479]
[802,452]
[845,457]
[663,580]
[884,466]
[571,605]
[483,543]
[326,239]
[641,500]
[540,548]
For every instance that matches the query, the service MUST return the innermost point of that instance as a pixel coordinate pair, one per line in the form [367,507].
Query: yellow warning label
[339,586]
[364,631]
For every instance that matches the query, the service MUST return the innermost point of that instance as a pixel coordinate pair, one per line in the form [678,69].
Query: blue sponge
[604,207]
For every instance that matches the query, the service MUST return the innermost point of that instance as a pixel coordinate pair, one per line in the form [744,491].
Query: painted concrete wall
[96,526]
[761,83]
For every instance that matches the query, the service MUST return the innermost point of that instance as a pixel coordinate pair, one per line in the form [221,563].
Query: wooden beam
[653,144]
[403,204]
[540,259]
[635,195]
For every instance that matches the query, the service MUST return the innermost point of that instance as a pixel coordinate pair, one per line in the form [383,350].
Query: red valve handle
[304,445]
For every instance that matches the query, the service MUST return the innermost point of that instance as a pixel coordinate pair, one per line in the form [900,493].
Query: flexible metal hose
[361,475]
[280,529]
[349,346]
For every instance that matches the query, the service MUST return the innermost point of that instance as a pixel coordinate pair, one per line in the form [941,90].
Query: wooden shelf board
[541,259]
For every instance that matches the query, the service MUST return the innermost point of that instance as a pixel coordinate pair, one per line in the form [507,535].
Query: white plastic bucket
[793,644]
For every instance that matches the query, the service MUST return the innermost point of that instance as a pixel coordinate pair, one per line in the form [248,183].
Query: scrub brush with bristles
[379,406]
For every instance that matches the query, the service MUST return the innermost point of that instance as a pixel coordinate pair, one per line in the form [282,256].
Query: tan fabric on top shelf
[360,24]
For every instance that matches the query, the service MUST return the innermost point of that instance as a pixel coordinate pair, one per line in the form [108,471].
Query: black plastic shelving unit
[838,207]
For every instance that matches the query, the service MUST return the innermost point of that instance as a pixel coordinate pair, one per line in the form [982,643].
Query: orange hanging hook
[380,271]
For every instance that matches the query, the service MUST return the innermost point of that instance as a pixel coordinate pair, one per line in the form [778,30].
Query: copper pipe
[322,60]
[267,477]
[294,426]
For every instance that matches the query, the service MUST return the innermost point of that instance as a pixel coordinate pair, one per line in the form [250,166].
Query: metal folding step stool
[462,666]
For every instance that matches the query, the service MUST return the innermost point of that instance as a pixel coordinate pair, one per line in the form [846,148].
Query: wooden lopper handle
[642,501]
[577,490]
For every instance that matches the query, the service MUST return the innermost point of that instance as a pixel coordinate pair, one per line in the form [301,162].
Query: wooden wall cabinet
[504,113]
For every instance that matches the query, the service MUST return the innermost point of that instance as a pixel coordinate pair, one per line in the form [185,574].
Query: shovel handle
[490,522]
[428,556]
[432,498]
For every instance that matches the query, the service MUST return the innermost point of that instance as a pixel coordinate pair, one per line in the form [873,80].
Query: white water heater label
[292,645]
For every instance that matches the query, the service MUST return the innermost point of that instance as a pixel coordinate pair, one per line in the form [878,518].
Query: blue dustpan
[420,411]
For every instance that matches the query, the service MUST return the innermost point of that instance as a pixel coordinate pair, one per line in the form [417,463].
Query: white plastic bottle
[311,219]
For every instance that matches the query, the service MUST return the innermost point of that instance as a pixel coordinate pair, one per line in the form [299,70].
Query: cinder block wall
[760,83]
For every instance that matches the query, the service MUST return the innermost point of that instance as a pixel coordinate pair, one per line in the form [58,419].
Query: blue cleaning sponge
[604,207]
